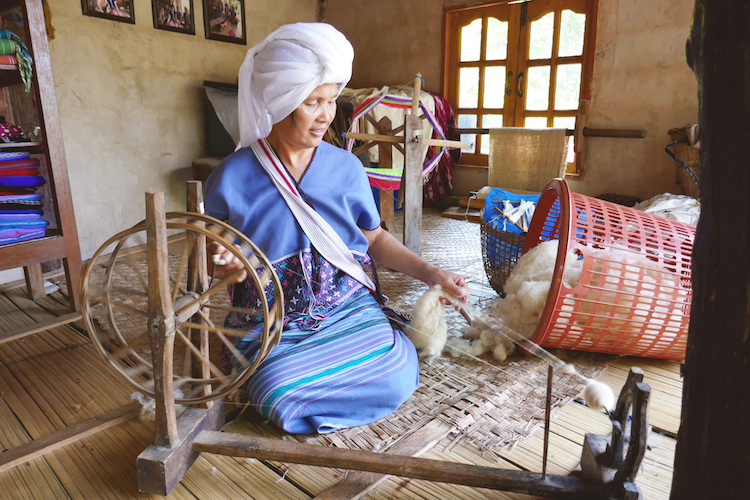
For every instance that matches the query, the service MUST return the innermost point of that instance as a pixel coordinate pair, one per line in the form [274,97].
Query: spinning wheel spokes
[115,307]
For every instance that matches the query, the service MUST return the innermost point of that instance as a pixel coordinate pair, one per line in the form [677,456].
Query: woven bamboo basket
[692,158]
[500,251]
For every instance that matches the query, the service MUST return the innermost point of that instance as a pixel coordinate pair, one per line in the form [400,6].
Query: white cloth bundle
[280,72]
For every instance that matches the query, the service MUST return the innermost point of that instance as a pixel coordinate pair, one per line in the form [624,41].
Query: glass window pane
[497,39]
[494,87]
[471,41]
[535,122]
[572,29]
[468,87]
[537,88]
[489,121]
[468,121]
[540,41]
[568,122]
[568,86]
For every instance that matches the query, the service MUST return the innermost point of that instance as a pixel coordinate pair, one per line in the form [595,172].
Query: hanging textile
[391,178]
[439,185]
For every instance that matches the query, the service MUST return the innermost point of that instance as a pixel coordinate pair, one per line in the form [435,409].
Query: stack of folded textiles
[20,204]
[12,45]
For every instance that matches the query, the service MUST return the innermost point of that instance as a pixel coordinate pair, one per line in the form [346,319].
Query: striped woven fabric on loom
[391,178]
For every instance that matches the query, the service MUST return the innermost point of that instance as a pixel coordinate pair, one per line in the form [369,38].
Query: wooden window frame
[454,17]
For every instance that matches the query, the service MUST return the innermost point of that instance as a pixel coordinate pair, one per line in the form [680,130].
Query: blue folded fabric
[23,209]
[23,224]
[16,235]
[22,180]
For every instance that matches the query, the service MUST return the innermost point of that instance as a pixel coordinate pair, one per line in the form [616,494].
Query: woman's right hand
[226,262]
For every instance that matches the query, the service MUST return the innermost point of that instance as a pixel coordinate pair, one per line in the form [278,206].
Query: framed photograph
[225,20]
[174,15]
[115,10]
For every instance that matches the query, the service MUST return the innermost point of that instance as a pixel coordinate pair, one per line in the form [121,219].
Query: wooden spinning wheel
[133,284]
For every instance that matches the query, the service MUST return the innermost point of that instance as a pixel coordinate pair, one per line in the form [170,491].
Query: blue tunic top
[335,184]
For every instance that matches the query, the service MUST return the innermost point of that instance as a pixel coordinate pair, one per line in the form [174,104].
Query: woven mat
[492,406]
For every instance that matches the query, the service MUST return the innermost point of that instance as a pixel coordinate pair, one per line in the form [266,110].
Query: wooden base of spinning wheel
[161,468]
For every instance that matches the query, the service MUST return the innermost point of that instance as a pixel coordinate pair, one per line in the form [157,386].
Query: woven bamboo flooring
[54,379]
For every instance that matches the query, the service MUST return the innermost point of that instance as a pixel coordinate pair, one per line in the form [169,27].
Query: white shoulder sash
[323,237]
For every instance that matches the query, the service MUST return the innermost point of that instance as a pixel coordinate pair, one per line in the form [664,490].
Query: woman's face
[307,125]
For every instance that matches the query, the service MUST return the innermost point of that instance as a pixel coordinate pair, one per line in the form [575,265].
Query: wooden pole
[477,476]
[547,410]
[198,283]
[160,320]
[412,184]
[713,445]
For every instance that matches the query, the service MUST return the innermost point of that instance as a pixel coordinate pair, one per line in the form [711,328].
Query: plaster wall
[130,100]
[640,80]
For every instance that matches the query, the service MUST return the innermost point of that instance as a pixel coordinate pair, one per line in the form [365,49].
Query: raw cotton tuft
[599,396]
[428,330]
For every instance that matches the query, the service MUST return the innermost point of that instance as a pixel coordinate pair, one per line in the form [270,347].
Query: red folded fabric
[19,171]
[31,162]
[8,60]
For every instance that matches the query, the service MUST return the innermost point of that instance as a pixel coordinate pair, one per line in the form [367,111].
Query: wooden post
[162,465]
[713,444]
[197,280]
[160,320]
[34,281]
[412,184]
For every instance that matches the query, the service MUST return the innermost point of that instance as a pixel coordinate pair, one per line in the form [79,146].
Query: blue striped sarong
[349,369]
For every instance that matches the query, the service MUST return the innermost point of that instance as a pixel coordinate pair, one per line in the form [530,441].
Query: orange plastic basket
[635,290]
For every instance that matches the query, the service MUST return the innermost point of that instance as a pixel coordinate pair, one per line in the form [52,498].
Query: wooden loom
[179,302]
[411,181]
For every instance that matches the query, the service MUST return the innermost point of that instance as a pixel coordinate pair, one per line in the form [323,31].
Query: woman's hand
[386,250]
[226,262]
[452,283]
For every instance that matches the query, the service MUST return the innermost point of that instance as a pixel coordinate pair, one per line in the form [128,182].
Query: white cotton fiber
[527,289]
[148,405]
[428,330]
[463,347]
[599,396]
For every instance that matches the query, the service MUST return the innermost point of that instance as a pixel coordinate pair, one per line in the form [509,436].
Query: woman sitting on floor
[308,206]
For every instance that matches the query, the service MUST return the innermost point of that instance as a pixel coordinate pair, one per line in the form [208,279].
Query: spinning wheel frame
[189,303]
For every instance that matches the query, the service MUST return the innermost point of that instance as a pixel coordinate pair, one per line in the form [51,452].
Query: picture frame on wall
[114,10]
[225,20]
[174,15]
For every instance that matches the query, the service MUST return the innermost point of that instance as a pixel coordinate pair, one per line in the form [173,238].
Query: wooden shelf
[62,242]
[9,75]
[25,253]
[33,145]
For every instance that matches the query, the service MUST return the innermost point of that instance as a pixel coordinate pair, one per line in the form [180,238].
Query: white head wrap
[280,72]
